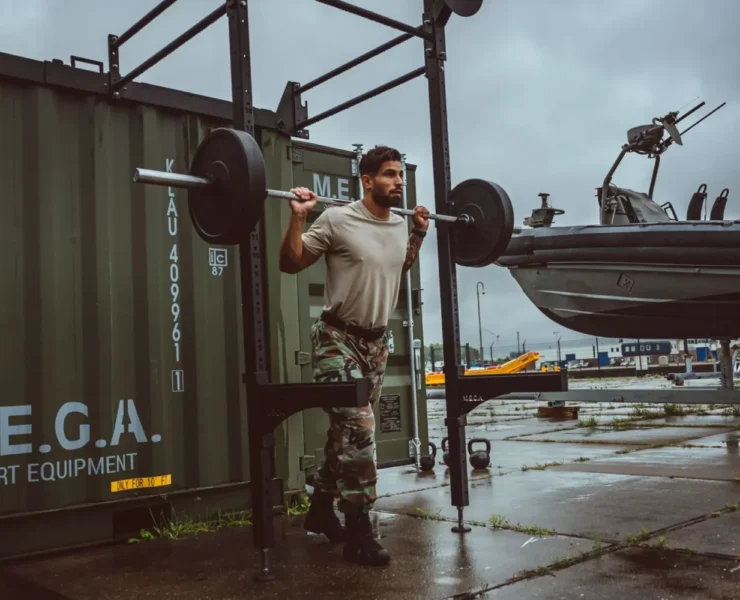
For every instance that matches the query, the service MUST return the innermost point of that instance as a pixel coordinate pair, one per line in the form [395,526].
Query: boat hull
[633,281]
[663,302]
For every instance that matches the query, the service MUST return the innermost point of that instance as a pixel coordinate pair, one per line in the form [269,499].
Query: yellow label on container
[140,483]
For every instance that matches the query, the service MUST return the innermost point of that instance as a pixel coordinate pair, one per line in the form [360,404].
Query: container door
[328,173]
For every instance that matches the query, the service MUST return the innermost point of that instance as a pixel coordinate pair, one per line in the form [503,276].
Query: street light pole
[480,331]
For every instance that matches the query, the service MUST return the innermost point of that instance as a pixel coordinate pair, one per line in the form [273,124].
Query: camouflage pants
[349,468]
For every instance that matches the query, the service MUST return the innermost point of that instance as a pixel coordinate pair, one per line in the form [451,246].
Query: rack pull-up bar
[172,46]
[143,22]
[368,14]
[366,96]
[353,63]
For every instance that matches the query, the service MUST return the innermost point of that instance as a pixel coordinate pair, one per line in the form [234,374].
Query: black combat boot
[360,546]
[321,517]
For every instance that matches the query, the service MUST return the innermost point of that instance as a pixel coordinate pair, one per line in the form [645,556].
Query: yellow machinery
[513,366]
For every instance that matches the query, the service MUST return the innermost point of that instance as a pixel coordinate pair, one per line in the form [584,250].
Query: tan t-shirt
[364,262]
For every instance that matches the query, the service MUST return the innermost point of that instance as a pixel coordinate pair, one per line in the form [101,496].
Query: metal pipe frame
[603,196]
[654,178]
[201,25]
[410,329]
[435,56]
[267,405]
[253,288]
[362,97]
[353,63]
[143,22]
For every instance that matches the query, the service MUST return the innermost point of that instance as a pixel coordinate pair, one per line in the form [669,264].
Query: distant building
[609,351]
[586,349]
[578,352]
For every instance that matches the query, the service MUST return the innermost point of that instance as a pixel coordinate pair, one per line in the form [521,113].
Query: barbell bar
[227,189]
[179,180]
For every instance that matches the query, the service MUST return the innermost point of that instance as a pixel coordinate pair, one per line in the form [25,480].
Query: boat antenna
[704,117]
[689,102]
[669,123]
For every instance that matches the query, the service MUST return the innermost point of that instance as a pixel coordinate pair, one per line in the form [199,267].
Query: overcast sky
[540,96]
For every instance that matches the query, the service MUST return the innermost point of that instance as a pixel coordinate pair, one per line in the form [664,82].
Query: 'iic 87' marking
[178,377]
[218,260]
[140,483]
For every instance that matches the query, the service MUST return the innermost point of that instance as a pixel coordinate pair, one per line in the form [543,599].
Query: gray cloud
[540,96]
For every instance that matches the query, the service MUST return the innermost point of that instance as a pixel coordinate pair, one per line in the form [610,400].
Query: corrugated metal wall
[120,355]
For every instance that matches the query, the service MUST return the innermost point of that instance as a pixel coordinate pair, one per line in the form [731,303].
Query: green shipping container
[121,355]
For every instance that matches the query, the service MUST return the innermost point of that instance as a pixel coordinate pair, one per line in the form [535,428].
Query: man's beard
[385,200]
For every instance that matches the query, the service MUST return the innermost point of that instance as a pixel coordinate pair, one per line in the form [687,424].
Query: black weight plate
[464,8]
[481,243]
[227,212]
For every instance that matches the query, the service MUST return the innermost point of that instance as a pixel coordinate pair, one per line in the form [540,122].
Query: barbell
[227,190]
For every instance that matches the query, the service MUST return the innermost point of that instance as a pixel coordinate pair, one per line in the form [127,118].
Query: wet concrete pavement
[584,504]
[429,562]
[711,463]
[727,439]
[507,429]
[642,436]
[599,512]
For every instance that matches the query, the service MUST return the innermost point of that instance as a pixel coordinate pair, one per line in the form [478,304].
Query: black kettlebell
[446,451]
[480,459]
[427,462]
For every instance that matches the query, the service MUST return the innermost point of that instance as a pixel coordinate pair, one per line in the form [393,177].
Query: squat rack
[279,401]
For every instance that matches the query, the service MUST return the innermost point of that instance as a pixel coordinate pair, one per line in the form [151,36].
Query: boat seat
[718,208]
[696,203]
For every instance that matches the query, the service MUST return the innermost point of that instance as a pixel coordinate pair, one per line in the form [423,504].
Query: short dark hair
[371,161]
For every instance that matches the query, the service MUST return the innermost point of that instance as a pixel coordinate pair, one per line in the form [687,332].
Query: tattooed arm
[421,223]
[412,251]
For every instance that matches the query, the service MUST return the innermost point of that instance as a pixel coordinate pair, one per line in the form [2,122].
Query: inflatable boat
[641,272]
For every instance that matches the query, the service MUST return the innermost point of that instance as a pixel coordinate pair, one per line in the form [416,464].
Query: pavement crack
[540,571]
[729,508]
[549,569]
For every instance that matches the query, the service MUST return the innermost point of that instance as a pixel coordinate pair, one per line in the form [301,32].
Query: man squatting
[367,249]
